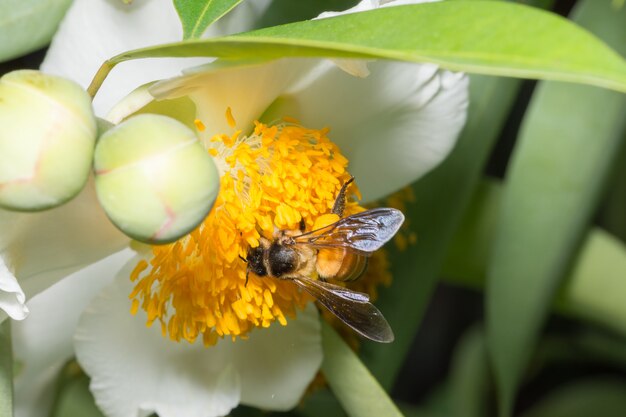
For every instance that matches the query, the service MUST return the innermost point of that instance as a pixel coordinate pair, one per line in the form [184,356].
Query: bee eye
[255,261]
[283,259]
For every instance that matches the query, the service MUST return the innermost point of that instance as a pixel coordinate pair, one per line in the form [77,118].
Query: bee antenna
[247,276]
[243,259]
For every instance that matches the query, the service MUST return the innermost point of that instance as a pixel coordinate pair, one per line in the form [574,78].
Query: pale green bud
[47,136]
[154,179]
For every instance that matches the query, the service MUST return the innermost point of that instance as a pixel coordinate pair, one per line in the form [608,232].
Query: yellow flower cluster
[271,179]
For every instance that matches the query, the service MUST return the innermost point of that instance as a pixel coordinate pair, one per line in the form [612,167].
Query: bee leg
[247,276]
[340,201]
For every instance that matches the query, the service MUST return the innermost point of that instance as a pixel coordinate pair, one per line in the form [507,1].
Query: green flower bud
[47,137]
[154,179]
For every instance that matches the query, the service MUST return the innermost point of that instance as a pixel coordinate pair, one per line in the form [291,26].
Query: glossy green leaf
[486,37]
[566,147]
[595,397]
[441,198]
[594,289]
[354,386]
[197,15]
[27,25]
[6,370]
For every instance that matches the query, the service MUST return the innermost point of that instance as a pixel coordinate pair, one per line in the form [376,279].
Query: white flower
[394,126]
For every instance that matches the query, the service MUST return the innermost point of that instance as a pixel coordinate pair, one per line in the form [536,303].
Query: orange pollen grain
[195,287]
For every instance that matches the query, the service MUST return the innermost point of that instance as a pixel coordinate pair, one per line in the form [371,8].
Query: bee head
[255,261]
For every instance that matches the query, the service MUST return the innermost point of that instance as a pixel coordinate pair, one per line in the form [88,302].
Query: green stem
[100,76]
[6,370]
[355,387]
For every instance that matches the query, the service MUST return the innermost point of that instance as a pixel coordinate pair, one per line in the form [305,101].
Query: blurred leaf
[594,288]
[72,397]
[320,402]
[6,370]
[197,15]
[464,391]
[594,397]
[469,376]
[354,386]
[469,251]
[602,346]
[27,25]
[566,147]
[75,400]
[612,215]
[497,38]
[441,198]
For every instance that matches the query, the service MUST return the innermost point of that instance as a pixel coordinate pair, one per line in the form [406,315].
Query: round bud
[47,136]
[154,179]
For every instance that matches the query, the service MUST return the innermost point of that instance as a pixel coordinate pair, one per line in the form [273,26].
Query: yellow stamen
[195,287]
[199,125]
[229,118]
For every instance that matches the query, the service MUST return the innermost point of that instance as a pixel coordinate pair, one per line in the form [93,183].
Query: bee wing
[351,307]
[362,233]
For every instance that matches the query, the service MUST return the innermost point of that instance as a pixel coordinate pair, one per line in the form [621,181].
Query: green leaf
[76,400]
[566,147]
[354,386]
[594,397]
[27,25]
[612,215]
[6,370]
[197,15]
[441,198]
[593,290]
[485,37]
[469,376]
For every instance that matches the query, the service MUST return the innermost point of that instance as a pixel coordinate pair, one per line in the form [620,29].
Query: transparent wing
[351,307]
[362,233]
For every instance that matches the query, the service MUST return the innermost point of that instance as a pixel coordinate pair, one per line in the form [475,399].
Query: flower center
[270,180]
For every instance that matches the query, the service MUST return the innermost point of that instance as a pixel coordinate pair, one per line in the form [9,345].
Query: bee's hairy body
[282,258]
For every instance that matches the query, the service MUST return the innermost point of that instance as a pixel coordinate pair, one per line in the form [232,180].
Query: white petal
[43,342]
[95,30]
[12,298]
[136,371]
[394,126]
[43,247]
[277,364]
[362,6]
[247,88]
[365,5]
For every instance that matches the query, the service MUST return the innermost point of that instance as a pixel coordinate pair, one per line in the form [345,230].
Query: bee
[336,252]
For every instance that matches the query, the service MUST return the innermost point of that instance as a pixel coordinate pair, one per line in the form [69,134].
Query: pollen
[199,125]
[272,179]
